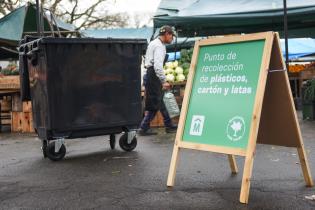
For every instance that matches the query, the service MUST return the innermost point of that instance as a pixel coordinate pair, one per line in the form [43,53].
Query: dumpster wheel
[44,148]
[112,141]
[55,156]
[123,143]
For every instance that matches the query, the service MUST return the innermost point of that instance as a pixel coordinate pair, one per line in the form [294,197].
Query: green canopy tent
[22,21]
[204,18]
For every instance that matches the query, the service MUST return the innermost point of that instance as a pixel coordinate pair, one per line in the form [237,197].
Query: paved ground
[93,176]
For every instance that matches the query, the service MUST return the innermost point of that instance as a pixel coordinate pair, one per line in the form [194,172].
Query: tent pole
[175,44]
[285,21]
[41,16]
[37,18]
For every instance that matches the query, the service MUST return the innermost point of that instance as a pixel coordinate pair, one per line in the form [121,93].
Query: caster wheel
[55,156]
[123,143]
[112,141]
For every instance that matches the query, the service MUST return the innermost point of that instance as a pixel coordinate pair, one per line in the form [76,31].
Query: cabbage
[180,77]
[169,65]
[169,71]
[179,70]
[186,71]
[175,64]
[170,77]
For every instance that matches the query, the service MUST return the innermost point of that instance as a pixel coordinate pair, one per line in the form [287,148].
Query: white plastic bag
[171,104]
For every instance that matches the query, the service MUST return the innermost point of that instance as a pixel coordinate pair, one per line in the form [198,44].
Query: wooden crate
[5,118]
[157,121]
[17,104]
[22,122]
[10,83]
[6,104]
[16,121]
[27,123]
[27,106]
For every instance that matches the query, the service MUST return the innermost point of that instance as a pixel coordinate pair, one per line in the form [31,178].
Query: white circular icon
[235,129]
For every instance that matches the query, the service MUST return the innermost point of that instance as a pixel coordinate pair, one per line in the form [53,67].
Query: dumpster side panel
[94,85]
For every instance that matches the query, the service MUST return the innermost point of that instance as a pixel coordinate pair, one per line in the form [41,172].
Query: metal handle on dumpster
[35,45]
[33,53]
[23,49]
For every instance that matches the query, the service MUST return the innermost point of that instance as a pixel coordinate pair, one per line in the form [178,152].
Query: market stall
[200,18]
[14,113]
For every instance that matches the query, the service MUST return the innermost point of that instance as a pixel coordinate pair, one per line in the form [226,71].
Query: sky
[135,5]
[139,11]
[144,9]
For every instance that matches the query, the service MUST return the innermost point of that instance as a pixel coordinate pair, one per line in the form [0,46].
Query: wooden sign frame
[272,73]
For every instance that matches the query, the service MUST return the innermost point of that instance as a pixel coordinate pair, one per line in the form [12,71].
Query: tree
[81,14]
[142,19]
[7,6]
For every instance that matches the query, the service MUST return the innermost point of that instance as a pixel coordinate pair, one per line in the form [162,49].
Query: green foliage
[185,59]
[8,72]
[185,55]
[185,65]
[11,69]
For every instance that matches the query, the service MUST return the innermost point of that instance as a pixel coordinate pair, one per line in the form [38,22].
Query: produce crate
[9,83]
[22,122]
[6,104]
[157,122]
[21,117]
[5,118]
[16,121]
[17,104]
[27,106]
[5,114]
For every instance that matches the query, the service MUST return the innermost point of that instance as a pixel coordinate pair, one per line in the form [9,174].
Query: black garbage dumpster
[84,87]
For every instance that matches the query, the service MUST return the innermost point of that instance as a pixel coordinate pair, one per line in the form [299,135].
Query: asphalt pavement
[92,176]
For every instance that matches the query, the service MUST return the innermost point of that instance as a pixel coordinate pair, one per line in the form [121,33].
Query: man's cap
[167,29]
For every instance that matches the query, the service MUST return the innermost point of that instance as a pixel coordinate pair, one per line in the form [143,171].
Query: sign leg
[305,166]
[247,174]
[173,166]
[233,164]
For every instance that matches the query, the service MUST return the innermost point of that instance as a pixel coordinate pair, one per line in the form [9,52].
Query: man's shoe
[148,132]
[171,129]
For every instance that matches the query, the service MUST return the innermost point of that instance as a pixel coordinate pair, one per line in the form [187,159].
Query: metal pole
[285,21]
[41,18]
[175,45]
[38,18]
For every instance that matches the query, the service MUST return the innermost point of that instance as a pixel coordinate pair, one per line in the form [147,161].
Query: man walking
[156,82]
